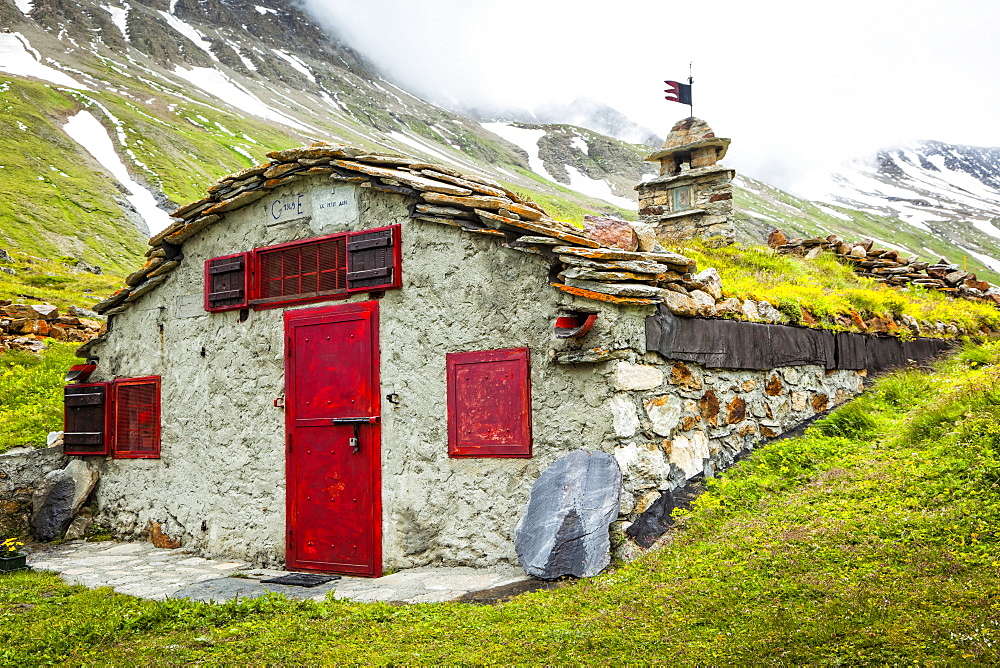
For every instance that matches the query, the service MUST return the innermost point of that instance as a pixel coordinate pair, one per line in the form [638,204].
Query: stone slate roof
[444,196]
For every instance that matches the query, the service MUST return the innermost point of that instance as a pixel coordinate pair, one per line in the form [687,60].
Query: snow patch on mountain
[88,132]
[25,6]
[189,31]
[598,188]
[119,16]
[17,57]
[217,84]
[295,63]
[524,138]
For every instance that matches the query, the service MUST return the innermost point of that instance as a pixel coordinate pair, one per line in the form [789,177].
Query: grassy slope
[870,540]
[55,203]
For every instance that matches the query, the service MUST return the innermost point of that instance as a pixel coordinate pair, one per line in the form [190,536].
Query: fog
[799,87]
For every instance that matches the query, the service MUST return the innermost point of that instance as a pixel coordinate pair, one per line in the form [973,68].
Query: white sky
[799,86]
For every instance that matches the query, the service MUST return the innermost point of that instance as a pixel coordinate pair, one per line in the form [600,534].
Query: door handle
[355,442]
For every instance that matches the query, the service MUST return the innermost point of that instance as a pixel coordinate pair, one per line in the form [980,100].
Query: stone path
[139,569]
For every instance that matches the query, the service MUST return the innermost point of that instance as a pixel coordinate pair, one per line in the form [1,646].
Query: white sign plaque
[334,209]
[286,207]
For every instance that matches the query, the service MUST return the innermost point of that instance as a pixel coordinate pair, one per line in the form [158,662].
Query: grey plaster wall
[219,486]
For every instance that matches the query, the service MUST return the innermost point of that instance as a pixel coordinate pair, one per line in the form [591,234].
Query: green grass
[870,540]
[31,394]
[829,289]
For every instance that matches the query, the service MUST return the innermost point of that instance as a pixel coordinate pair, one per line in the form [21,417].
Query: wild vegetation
[825,288]
[31,394]
[872,539]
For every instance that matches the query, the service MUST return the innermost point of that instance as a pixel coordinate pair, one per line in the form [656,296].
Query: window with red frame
[323,268]
[136,421]
[489,403]
[120,418]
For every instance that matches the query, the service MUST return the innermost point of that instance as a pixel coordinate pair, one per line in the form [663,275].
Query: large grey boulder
[59,497]
[564,530]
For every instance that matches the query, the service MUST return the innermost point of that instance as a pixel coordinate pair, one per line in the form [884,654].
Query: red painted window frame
[116,452]
[523,449]
[247,282]
[397,274]
[108,428]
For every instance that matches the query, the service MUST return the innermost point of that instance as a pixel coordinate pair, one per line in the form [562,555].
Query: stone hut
[353,362]
[693,193]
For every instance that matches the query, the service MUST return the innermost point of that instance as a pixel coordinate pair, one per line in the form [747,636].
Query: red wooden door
[334,501]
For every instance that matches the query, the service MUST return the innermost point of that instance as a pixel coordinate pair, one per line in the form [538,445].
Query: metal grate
[137,418]
[304,270]
[302,579]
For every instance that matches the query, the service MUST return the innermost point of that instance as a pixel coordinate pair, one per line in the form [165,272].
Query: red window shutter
[373,259]
[301,271]
[86,419]
[489,403]
[227,282]
[136,421]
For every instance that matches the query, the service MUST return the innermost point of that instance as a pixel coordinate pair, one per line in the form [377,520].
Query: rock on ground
[59,497]
[564,530]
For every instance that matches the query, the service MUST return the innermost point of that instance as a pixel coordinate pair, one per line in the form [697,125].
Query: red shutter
[301,271]
[86,419]
[136,422]
[373,259]
[489,404]
[227,282]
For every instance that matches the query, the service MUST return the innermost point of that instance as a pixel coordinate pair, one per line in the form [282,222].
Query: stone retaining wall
[21,471]
[676,421]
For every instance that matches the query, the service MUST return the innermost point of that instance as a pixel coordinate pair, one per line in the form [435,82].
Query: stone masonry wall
[675,420]
[21,470]
[711,204]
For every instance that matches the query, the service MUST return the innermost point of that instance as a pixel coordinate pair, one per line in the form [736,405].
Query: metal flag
[678,92]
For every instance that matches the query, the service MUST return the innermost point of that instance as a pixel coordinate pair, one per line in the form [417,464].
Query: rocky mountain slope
[112,112]
[188,90]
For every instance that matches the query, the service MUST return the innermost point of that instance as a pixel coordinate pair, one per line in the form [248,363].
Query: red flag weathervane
[680,92]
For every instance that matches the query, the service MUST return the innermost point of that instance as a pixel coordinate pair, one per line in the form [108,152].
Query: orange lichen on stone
[601,297]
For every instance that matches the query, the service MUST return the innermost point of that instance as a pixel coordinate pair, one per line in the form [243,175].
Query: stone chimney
[693,195]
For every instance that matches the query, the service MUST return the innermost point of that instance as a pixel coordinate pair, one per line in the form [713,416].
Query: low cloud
[799,87]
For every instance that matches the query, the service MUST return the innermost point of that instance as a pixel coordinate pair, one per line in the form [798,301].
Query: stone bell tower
[693,194]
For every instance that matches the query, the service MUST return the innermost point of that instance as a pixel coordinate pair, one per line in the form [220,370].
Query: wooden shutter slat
[375,241]
[228,294]
[83,438]
[224,267]
[89,399]
[368,273]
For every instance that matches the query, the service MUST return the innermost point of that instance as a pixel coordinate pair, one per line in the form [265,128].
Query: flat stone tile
[127,548]
[465,582]
[229,565]
[436,597]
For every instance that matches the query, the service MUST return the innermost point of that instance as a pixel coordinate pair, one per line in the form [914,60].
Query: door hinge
[279,402]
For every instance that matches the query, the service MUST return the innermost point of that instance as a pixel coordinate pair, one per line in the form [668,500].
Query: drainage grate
[302,579]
